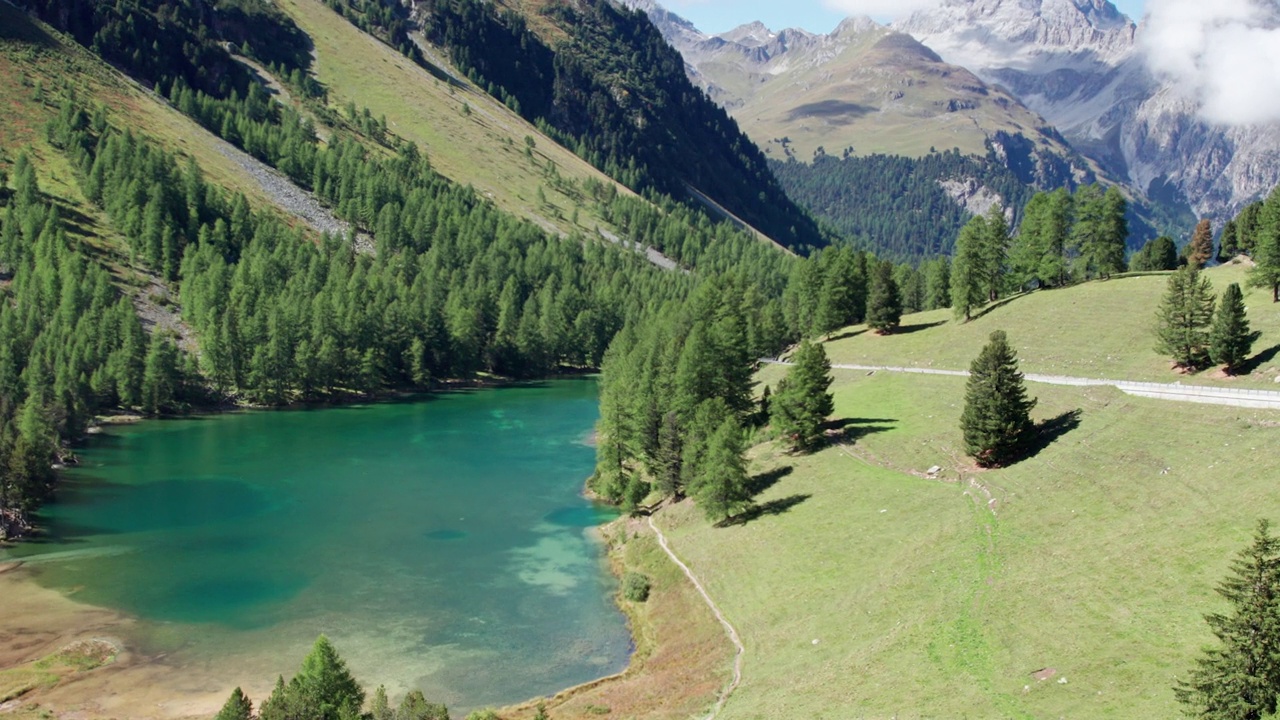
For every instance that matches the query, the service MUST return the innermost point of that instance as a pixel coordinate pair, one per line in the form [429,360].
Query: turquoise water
[443,544]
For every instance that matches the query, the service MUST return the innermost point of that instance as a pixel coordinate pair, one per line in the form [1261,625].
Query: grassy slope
[941,597]
[29,53]
[485,148]
[1095,330]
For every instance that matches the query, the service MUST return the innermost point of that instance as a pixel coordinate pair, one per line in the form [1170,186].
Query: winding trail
[728,628]
[1177,392]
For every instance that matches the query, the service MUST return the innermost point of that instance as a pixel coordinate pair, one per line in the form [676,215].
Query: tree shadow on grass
[757,511]
[997,305]
[1049,431]
[908,329]
[846,335]
[1257,361]
[758,483]
[851,429]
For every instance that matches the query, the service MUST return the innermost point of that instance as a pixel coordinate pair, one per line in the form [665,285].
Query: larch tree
[884,301]
[1238,678]
[1230,340]
[996,421]
[1200,251]
[803,401]
[1183,318]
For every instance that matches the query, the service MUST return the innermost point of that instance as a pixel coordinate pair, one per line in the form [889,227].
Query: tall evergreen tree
[996,421]
[967,276]
[1229,243]
[1183,319]
[803,401]
[325,679]
[1156,255]
[937,284]
[994,252]
[884,303]
[721,486]
[1230,340]
[1266,247]
[1239,678]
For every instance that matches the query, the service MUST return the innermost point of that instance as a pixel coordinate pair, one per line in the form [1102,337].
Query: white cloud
[1224,53]
[879,8]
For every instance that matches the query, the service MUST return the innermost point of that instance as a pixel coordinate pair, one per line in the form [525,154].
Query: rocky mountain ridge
[1081,64]
[861,89]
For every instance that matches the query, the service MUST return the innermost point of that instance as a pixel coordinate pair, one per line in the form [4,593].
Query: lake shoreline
[663,629]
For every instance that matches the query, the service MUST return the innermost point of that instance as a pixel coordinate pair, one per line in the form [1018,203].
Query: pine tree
[720,488]
[884,304]
[1183,319]
[997,413]
[803,401]
[1238,679]
[237,707]
[1230,340]
[1200,251]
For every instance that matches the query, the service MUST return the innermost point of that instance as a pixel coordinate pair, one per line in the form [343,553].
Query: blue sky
[715,16]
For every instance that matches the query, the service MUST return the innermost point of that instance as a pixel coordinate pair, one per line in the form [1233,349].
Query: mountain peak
[855,25]
[750,35]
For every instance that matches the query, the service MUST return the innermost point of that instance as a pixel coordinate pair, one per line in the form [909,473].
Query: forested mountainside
[913,208]
[882,139]
[131,281]
[602,80]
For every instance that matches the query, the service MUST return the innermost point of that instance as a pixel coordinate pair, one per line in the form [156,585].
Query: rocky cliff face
[1080,64]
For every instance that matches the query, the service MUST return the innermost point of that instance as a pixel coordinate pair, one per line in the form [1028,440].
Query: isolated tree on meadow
[996,421]
[1238,678]
[1183,319]
[1230,340]
[803,401]
[1200,251]
[884,302]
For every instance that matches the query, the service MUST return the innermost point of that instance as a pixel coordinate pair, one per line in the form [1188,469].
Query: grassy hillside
[1094,330]
[31,56]
[470,137]
[1069,585]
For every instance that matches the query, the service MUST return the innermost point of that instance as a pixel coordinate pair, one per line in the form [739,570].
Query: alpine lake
[442,543]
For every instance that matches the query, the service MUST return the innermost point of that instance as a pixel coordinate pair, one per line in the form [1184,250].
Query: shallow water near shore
[442,544]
